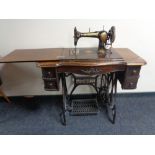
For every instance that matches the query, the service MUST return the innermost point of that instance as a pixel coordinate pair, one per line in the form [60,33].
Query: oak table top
[67,56]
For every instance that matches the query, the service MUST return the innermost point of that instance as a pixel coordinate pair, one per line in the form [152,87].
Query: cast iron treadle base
[84,107]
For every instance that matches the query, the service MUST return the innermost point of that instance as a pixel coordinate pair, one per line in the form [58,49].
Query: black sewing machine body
[105,38]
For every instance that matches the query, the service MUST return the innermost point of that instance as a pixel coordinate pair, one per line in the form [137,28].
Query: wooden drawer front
[131,77]
[133,71]
[48,73]
[91,70]
[51,85]
[130,83]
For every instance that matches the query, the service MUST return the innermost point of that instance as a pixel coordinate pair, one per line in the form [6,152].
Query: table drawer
[130,83]
[133,70]
[48,73]
[88,70]
[130,77]
[51,85]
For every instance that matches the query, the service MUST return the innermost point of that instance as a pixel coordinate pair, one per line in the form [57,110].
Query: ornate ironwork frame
[106,93]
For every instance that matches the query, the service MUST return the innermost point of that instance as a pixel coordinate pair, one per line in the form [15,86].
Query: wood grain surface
[67,56]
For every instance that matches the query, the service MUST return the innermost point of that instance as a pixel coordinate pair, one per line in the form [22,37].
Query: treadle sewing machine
[99,67]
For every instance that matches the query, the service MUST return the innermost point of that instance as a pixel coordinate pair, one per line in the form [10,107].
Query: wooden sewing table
[86,67]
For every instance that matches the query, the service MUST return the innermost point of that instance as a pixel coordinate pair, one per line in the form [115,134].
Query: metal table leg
[107,93]
[64,94]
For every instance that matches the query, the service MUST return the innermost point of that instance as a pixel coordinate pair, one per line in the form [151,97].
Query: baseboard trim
[137,94]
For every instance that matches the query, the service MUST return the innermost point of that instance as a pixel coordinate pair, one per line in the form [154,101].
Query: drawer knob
[51,84]
[49,73]
[131,83]
[134,71]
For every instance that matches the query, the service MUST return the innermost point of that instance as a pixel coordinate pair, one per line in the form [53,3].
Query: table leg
[5,97]
[107,94]
[64,94]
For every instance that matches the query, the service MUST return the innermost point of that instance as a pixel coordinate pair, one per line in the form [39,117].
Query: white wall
[25,78]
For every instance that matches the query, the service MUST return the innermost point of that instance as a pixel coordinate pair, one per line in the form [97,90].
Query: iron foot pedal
[84,107]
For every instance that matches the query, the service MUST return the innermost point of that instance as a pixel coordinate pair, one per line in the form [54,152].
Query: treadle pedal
[84,107]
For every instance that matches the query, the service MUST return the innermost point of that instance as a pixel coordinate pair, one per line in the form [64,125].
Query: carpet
[40,116]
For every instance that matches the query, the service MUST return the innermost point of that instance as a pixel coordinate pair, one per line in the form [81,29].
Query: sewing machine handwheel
[112,34]
[76,36]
